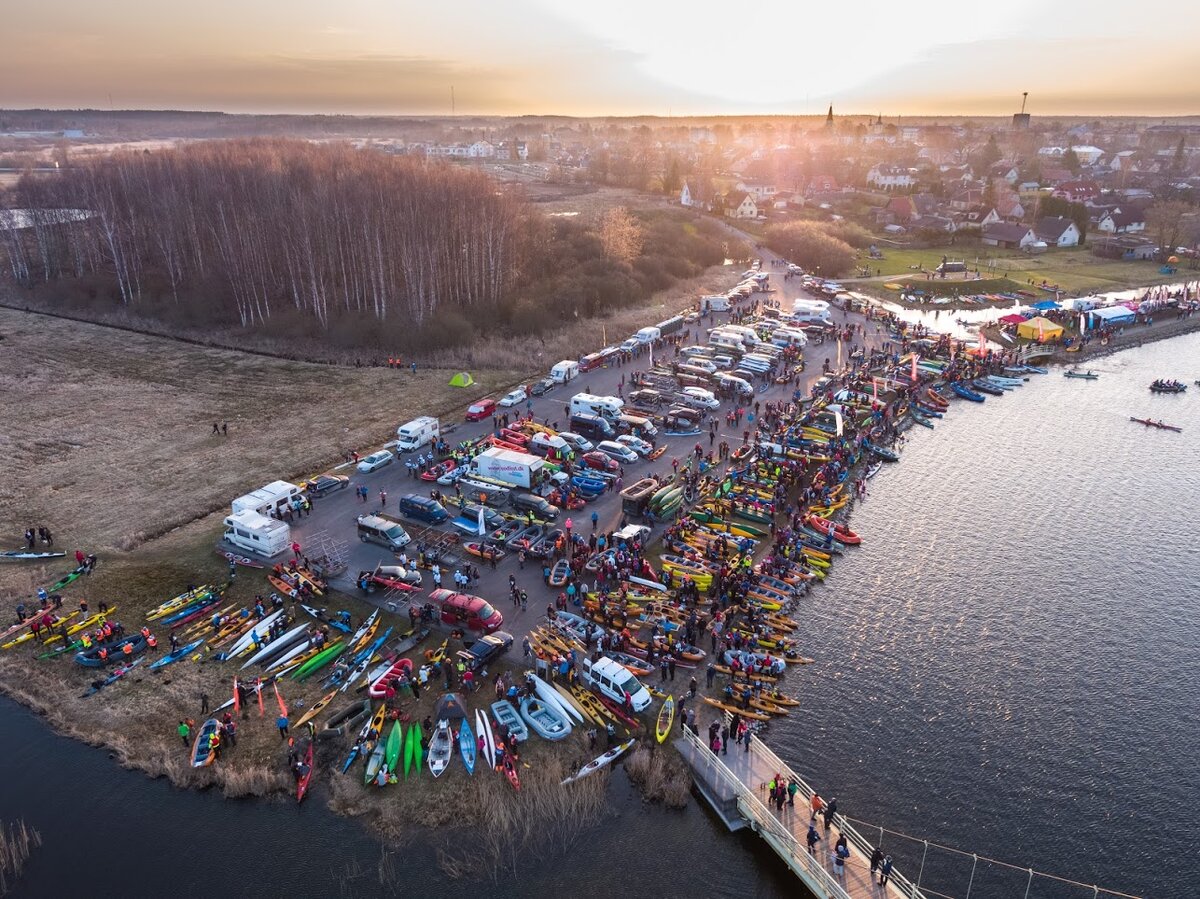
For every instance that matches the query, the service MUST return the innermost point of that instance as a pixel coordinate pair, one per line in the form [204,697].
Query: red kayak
[1155,424]
[510,771]
[303,782]
[840,533]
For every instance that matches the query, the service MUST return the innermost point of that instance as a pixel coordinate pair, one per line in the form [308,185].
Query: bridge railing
[798,857]
[906,887]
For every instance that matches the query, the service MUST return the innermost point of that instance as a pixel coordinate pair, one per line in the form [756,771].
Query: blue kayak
[180,653]
[965,393]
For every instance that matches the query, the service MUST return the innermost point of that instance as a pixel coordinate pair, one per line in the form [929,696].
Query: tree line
[257,227]
[326,241]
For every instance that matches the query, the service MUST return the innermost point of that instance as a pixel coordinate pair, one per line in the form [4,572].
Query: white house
[1009,236]
[1057,231]
[760,190]
[481,149]
[740,206]
[1117,222]
[891,177]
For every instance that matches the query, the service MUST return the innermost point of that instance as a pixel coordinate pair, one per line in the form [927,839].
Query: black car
[538,505]
[485,649]
[542,387]
[326,483]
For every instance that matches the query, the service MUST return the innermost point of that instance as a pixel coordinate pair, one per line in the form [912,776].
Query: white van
[810,306]
[564,371]
[749,335]
[614,681]
[605,406]
[788,337]
[417,433]
[714,304]
[273,498]
[731,342]
[386,532]
[548,445]
[808,319]
[249,531]
[648,335]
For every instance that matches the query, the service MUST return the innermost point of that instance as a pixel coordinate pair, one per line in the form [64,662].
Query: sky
[615,57]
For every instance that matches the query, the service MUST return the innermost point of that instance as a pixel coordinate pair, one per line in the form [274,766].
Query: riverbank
[1162,328]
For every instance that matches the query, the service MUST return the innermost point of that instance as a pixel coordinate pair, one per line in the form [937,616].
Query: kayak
[99,685]
[392,757]
[484,730]
[316,709]
[309,770]
[177,602]
[666,716]
[600,761]
[417,736]
[966,394]
[175,656]
[320,660]
[1155,424]
[22,555]
[278,645]
[36,619]
[510,771]
[467,746]
[375,761]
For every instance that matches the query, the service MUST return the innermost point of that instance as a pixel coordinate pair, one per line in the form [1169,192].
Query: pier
[735,785]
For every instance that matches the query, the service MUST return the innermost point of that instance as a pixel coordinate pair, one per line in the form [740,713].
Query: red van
[466,611]
[481,410]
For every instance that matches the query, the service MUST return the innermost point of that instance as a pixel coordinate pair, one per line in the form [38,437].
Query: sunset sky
[621,57]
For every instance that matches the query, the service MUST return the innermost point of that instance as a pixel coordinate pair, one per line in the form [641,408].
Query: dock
[735,785]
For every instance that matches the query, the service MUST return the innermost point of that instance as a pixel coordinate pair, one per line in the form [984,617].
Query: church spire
[829,117]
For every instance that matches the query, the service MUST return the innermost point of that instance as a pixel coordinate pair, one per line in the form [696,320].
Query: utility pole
[1024,97]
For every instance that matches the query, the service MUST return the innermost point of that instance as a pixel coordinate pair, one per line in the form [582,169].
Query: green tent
[462,379]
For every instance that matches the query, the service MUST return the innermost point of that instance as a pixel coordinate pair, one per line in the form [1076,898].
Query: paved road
[335,514]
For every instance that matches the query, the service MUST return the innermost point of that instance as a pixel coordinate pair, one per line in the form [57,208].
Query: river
[1007,666]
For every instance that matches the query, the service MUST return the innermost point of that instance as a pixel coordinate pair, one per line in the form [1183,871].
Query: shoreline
[186,779]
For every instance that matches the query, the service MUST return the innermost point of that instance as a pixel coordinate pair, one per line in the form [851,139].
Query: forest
[322,240]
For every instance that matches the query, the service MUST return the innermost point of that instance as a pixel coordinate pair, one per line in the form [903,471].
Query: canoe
[1082,376]
[440,748]
[346,720]
[547,721]
[303,782]
[601,761]
[202,754]
[666,717]
[507,716]
[484,551]
[172,657]
[467,746]
[375,761]
[745,713]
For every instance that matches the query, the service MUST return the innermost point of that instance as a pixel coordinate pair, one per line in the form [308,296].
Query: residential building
[1007,235]
[1118,222]
[1057,231]
[740,206]
[891,177]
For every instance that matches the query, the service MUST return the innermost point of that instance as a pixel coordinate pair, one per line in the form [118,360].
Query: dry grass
[108,433]
[661,775]
[588,335]
[17,843]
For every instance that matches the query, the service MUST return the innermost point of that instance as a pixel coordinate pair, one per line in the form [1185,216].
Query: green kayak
[320,660]
[415,736]
[395,739]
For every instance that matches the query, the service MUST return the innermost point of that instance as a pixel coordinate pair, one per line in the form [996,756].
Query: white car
[702,397]
[618,451]
[375,461]
[637,444]
[514,397]
[630,345]
[578,443]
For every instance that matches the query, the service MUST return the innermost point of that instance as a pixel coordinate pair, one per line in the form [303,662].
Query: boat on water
[1155,424]
[1088,375]
[1164,386]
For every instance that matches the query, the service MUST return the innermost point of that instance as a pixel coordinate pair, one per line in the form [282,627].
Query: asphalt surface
[334,515]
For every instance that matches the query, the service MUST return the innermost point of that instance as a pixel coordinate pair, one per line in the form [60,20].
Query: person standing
[282,723]
[184,732]
[876,860]
[885,870]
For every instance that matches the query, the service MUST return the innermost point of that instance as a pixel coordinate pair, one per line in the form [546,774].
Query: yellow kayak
[28,634]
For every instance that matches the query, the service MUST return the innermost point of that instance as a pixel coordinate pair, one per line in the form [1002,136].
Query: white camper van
[417,433]
[273,498]
[564,371]
[605,406]
[648,335]
[249,531]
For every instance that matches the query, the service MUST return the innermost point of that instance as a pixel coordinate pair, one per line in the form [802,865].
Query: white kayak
[278,644]
[600,761]
[550,696]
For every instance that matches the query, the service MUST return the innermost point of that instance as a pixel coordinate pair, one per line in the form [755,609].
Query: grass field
[1073,270]
[108,437]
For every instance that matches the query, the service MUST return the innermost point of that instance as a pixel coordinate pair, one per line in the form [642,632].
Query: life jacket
[103,654]
[151,641]
[127,649]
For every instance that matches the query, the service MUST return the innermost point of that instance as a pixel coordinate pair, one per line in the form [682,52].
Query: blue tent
[1045,305]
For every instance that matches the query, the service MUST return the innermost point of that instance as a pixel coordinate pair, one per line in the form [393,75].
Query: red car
[466,611]
[481,410]
[600,462]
